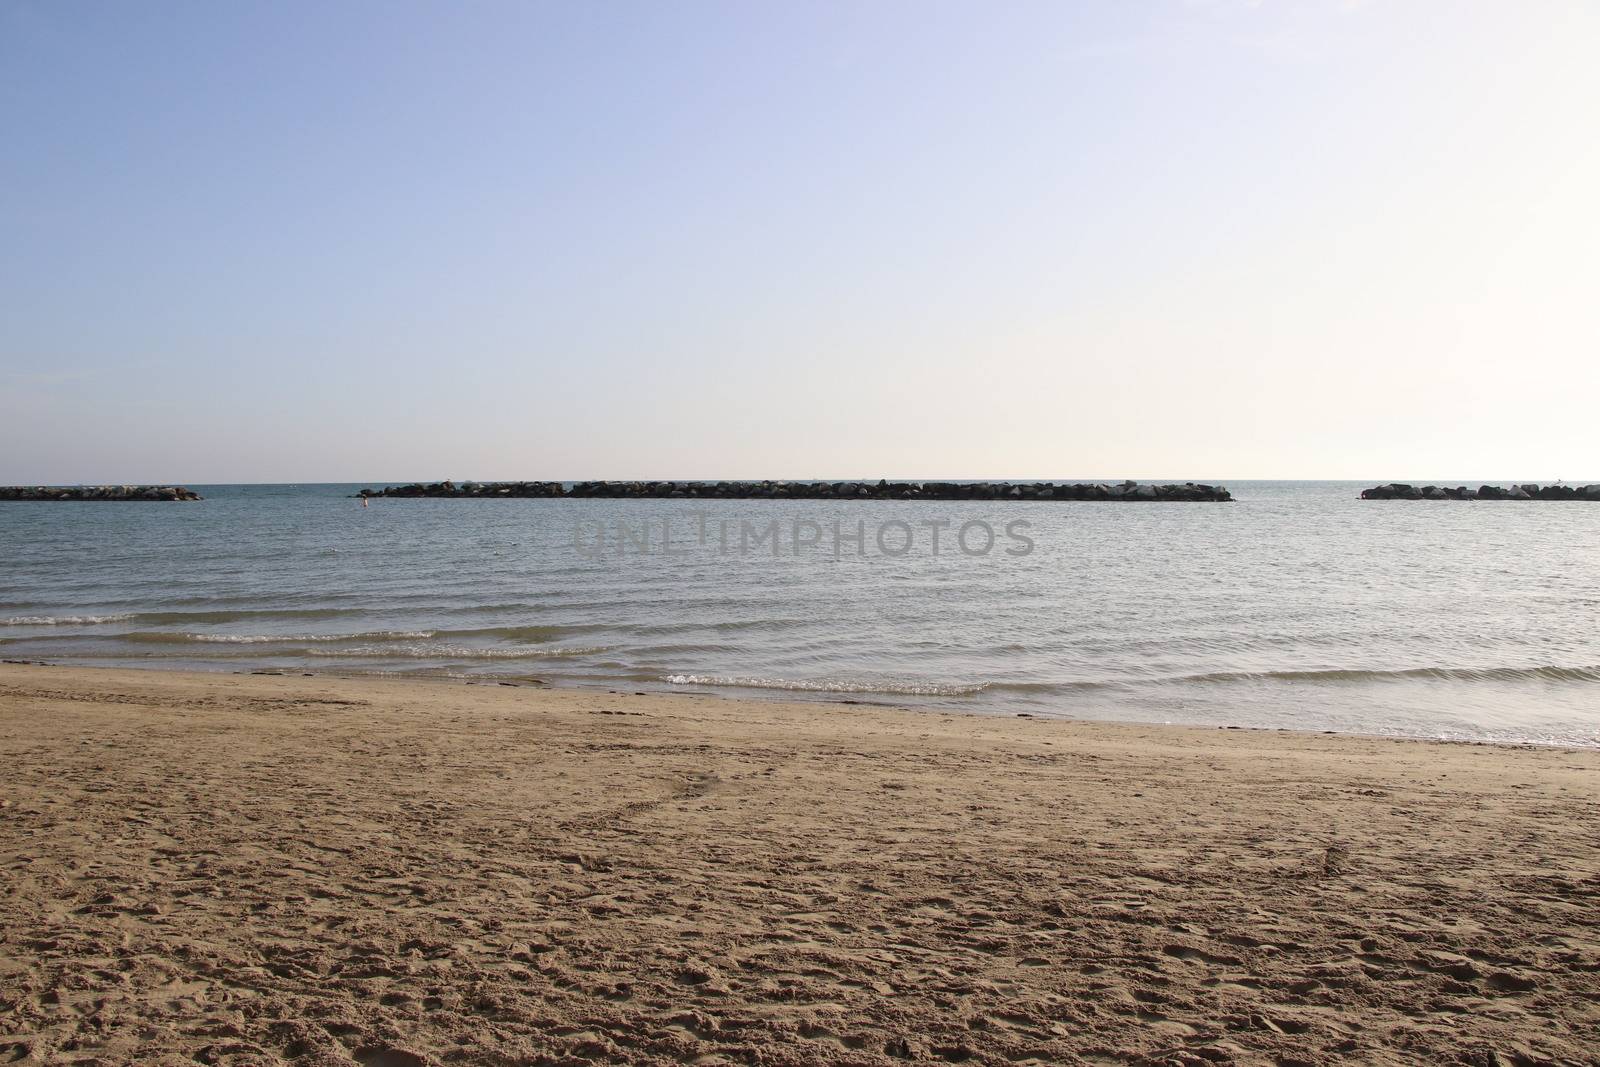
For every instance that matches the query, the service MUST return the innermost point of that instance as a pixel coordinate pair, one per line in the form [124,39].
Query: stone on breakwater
[1530,491]
[492,490]
[97,492]
[883,489]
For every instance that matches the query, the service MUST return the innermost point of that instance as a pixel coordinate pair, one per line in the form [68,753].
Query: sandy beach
[246,869]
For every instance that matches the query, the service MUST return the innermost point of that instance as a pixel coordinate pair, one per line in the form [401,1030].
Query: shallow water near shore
[1298,606]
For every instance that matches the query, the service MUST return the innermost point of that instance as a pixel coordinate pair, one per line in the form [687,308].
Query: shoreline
[807,489]
[265,869]
[791,698]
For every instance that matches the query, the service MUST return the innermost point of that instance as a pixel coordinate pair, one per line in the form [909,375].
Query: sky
[364,241]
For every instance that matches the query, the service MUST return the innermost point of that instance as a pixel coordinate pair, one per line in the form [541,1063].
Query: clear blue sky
[361,241]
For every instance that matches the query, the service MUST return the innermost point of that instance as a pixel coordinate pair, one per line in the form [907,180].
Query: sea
[1298,606]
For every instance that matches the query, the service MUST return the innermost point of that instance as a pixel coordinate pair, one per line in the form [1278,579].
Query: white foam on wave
[63,620]
[914,689]
[262,639]
[453,652]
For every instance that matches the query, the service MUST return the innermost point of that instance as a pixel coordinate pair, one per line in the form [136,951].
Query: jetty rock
[883,489]
[1527,491]
[97,492]
[491,490]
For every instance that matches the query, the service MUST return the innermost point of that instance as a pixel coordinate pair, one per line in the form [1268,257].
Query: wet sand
[240,869]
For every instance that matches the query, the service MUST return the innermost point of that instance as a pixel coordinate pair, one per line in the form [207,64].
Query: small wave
[63,620]
[915,689]
[453,652]
[522,633]
[175,638]
[503,608]
[180,618]
[1550,673]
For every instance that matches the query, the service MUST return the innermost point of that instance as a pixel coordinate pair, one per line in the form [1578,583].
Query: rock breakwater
[97,492]
[1530,491]
[473,489]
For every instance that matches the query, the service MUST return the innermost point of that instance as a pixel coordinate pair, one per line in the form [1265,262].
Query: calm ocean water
[1299,606]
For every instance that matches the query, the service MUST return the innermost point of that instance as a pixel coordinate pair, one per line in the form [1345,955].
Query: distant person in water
[363,501]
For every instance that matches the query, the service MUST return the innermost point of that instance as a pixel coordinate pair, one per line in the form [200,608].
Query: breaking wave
[63,620]
[454,652]
[916,689]
[159,638]
[1548,673]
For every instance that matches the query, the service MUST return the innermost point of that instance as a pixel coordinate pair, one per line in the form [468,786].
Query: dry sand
[255,870]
